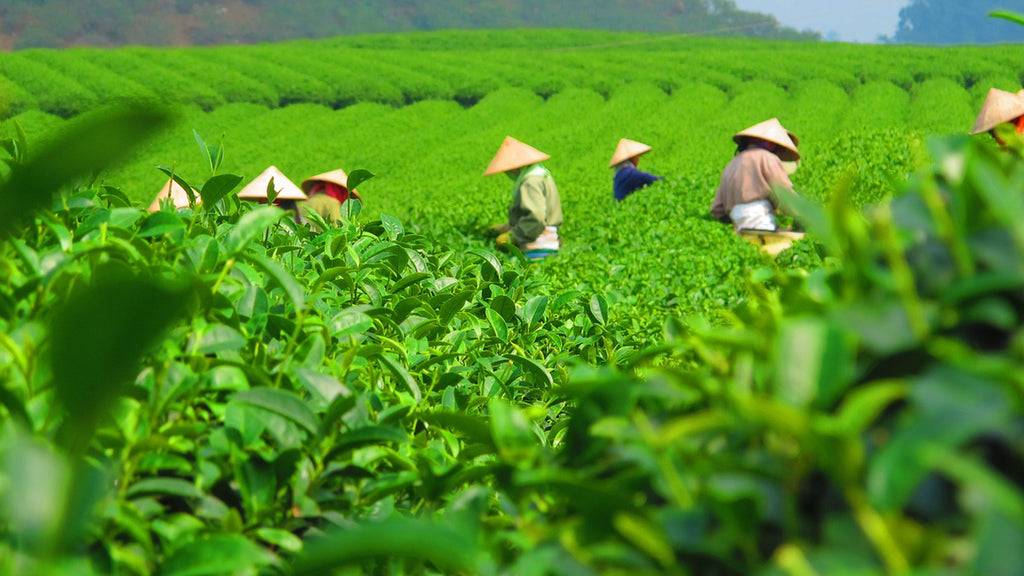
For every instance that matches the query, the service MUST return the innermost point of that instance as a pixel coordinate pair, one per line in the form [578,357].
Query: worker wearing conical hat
[287,194]
[536,210]
[746,195]
[327,193]
[628,177]
[1002,111]
[173,192]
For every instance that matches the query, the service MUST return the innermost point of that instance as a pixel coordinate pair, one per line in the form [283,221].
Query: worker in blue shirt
[628,179]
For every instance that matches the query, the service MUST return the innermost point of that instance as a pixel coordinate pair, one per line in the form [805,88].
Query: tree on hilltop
[957,22]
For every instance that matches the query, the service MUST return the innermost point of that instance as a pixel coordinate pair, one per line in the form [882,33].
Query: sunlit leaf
[444,546]
[282,403]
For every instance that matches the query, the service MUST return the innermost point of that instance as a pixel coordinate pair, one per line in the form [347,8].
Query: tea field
[454,96]
[220,391]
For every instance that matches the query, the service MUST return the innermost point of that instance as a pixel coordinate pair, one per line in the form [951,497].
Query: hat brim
[786,150]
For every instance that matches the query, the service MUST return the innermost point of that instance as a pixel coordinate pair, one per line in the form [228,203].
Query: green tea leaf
[648,537]
[164,487]
[280,402]
[538,373]
[190,191]
[534,310]
[402,375]
[217,555]
[296,293]
[250,226]
[217,188]
[598,309]
[505,306]
[410,280]
[497,324]
[160,223]
[281,538]
[446,546]
[349,323]
[511,432]
[950,407]
[812,361]
[271,192]
[218,338]
[357,177]
[490,259]
[1008,16]
[368,435]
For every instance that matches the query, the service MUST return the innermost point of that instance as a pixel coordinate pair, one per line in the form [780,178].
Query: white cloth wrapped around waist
[548,240]
[757,215]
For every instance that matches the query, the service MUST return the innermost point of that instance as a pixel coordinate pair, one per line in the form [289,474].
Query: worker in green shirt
[536,210]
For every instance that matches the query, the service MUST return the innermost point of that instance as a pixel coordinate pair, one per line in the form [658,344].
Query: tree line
[957,22]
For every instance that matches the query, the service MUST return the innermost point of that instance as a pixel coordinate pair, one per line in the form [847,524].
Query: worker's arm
[532,211]
[645,179]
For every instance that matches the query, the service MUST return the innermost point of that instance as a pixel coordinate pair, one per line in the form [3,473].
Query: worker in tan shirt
[767,154]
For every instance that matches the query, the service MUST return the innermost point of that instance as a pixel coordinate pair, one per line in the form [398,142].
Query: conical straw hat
[257,189]
[627,150]
[1000,107]
[176,193]
[338,177]
[773,131]
[514,154]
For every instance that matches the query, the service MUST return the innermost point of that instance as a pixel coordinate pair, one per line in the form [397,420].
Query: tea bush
[469,65]
[168,84]
[55,93]
[100,80]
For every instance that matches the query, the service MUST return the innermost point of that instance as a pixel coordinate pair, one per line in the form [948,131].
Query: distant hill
[62,23]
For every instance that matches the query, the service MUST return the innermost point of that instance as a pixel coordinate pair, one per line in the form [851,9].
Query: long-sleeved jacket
[752,175]
[536,205]
[629,179]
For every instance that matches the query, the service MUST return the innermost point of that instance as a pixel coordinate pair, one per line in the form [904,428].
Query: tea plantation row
[655,255]
[467,66]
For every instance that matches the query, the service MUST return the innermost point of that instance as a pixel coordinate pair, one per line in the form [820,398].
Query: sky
[851,20]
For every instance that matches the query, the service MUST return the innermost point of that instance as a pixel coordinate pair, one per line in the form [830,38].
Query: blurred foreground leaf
[1008,16]
[221,554]
[450,547]
[99,335]
[92,144]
